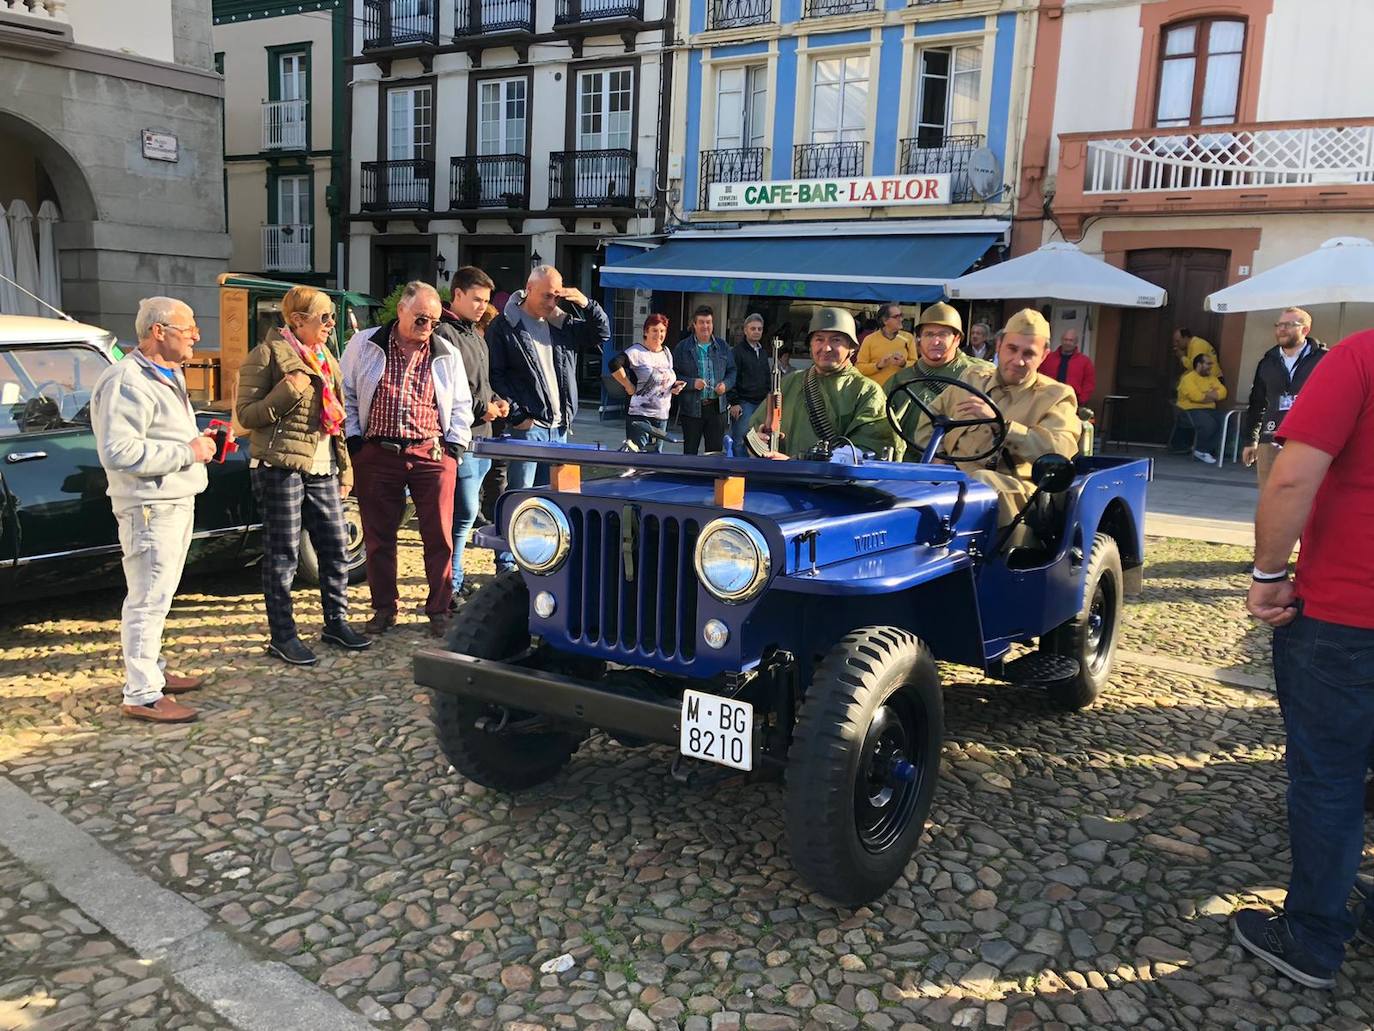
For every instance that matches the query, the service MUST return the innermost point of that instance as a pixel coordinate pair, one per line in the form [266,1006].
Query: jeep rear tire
[495,624]
[863,763]
[1091,636]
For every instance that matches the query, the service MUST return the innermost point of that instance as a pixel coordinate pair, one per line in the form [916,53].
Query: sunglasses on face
[421,321]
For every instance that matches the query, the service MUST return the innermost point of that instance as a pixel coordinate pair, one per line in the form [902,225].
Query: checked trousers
[289,500]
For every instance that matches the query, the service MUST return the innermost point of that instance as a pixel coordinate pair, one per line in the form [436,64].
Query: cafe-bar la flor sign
[870,192]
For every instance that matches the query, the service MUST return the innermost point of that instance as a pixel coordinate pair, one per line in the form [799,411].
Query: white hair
[414,289]
[153,311]
[542,272]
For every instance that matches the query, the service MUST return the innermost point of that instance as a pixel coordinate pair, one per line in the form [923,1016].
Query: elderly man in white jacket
[408,417]
[154,457]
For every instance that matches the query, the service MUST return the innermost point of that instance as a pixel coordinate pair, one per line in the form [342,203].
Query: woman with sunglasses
[290,396]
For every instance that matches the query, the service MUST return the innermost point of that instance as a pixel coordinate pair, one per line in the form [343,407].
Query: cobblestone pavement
[1077,870]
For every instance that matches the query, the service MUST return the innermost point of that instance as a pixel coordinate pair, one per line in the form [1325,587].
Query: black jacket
[516,374]
[1271,383]
[463,335]
[753,374]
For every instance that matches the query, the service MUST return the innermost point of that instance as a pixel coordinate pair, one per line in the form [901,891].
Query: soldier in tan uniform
[939,332]
[1041,414]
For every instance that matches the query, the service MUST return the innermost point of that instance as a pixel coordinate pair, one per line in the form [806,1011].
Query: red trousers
[380,480]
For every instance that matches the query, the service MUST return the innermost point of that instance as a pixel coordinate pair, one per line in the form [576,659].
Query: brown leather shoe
[164,710]
[180,685]
[380,622]
[438,625]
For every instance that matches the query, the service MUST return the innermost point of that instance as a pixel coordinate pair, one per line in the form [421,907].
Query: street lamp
[536,260]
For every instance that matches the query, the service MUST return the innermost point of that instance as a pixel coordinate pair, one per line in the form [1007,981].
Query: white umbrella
[9,296]
[25,257]
[1062,272]
[1340,270]
[49,271]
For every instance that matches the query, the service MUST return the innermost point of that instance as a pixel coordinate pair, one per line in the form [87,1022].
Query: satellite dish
[984,173]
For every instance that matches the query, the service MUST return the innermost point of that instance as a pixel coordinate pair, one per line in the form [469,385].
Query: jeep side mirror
[1052,474]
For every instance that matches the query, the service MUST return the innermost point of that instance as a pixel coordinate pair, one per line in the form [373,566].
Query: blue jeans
[739,427]
[1206,429]
[642,440]
[524,475]
[467,504]
[1325,677]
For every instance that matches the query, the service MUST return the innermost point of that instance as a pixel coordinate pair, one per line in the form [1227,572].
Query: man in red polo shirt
[408,416]
[1322,486]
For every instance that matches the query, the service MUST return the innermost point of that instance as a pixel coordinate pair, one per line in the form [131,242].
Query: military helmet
[834,320]
[941,314]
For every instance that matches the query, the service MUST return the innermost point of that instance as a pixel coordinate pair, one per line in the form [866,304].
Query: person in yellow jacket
[888,350]
[1187,347]
[1199,391]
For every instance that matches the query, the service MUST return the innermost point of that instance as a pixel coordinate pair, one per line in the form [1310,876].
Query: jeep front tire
[1091,636]
[863,763]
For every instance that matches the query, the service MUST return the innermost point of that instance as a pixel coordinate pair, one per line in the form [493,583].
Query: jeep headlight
[539,536]
[732,559]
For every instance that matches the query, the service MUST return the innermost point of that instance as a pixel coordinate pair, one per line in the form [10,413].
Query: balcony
[36,24]
[400,28]
[732,165]
[283,125]
[497,184]
[398,185]
[1274,166]
[578,19]
[830,8]
[950,156]
[600,179]
[734,14]
[287,248]
[479,17]
[828,160]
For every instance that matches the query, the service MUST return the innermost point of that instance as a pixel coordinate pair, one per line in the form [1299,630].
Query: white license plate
[719,730]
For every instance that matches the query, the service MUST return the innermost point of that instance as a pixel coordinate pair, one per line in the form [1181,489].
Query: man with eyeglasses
[888,351]
[408,410]
[1280,374]
[940,330]
[154,456]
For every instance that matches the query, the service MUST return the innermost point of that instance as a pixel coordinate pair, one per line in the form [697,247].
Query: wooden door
[1146,370]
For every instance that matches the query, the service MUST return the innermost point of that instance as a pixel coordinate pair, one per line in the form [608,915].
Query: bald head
[542,290]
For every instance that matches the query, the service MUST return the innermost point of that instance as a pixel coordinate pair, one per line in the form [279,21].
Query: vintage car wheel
[1091,636]
[495,624]
[355,556]
[863,763]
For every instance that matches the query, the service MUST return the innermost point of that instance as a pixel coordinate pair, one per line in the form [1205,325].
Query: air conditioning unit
[644,183]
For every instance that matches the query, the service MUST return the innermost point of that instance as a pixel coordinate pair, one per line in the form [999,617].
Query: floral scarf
[331,408]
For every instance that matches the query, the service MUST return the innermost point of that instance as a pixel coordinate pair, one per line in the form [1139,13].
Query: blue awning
[910,267]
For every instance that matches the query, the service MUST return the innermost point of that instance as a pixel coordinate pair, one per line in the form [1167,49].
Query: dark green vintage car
[57,531]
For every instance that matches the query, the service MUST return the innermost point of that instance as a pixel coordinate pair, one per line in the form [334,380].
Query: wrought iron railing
[827,160]
[730,165]
[571,12]
[590,178]
[731,14]
[825,8]
[286,248]
[1230,157]
[489,181]
[396,23]
[474,17]
[283,124]
[398,185]
[925,155]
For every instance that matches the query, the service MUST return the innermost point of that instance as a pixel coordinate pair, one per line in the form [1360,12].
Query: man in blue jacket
[534,347]
[706,363]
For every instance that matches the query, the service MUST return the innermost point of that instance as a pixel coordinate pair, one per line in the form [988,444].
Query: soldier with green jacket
[832,402]
[937,342]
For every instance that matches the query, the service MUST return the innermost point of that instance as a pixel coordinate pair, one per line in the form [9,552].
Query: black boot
[292,651]
[340,633]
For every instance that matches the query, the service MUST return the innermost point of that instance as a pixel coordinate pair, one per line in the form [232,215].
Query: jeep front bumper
[601,705]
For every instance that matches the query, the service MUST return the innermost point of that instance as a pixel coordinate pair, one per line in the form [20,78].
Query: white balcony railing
[1230,157]
[286,248]
[283,124]
[42,10]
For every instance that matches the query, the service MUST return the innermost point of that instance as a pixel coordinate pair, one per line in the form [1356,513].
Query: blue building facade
[836,150]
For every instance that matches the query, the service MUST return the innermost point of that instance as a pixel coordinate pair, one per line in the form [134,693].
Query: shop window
[1199,72]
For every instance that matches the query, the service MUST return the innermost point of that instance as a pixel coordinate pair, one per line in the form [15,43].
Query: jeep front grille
[647,611]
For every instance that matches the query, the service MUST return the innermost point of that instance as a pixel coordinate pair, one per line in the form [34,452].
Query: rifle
[758,444]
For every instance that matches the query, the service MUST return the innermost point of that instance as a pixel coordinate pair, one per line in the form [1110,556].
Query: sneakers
[1270,939]
[165,710]
[343,635]
[292,651]
[1203,456]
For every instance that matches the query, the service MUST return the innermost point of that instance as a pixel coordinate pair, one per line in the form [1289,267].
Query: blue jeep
[781,617]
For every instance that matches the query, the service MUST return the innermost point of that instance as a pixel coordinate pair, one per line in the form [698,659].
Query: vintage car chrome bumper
[602,705]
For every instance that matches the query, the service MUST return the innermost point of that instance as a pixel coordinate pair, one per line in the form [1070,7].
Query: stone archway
[75,198]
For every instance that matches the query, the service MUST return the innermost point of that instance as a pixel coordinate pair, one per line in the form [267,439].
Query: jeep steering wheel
[943,422]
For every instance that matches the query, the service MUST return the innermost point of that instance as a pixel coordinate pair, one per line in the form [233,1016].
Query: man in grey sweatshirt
[154,457]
